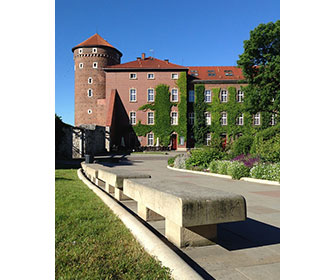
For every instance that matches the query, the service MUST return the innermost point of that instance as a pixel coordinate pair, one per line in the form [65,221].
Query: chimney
[166,60]
[143,55]
[138,58]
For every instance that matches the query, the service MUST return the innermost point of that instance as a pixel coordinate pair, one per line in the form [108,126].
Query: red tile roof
[147,63]
[94,40]
[216,72]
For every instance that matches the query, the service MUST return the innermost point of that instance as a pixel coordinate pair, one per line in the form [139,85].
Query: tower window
[80,51]
[90,92]
[81,65]
[94,50]
[89,111]
[90,80]
[95,65]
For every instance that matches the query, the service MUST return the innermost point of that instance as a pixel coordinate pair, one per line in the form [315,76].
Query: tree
[260,63]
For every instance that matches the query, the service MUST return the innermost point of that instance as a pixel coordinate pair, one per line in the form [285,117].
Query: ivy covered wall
[162,107]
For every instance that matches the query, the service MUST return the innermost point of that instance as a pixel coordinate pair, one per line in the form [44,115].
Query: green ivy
[181,83]
[199,109]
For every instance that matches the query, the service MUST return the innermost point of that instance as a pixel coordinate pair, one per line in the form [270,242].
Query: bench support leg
[191,236]
[119,195]
[109,188]
[147,214]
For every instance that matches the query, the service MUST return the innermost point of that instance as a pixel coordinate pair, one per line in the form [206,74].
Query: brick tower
[90,57]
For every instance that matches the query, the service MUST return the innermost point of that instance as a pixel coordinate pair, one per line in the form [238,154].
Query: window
[228,72]
[173,120]
[240,120]
[90,80]
[133,95]
[208,139]
[240,96]
[81,65]
[95,65]
[256,119]
[191,96]
[223,95]
[174,95]
[207,118]
[174,76]
[150,139]
[191,117]
[80,51]
[207,96]
[273,119]
[150,118]
[150,76]
[150,95]
[133,76]
[90,92]
[89,111]
[223,118]
[94,50]
[132,118]
[211,73]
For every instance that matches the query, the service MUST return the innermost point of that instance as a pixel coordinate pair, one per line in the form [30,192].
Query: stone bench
[191,212]
[111,179]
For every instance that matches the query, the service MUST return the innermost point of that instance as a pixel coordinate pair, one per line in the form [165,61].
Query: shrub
[171,161]
[213,166]
[223,166]
[238,170]
[266,171]
[203,157]
[180,161]
[242,145]
[268,150]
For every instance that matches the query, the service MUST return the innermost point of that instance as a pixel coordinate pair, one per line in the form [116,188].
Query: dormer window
[94,50]
[150,76]
[95,65]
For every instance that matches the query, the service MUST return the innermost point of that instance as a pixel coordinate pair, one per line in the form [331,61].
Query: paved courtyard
[245,250]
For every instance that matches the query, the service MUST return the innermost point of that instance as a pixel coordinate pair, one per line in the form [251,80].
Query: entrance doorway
[174,142]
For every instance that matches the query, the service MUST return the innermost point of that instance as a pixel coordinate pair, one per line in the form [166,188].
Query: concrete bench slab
[191,212]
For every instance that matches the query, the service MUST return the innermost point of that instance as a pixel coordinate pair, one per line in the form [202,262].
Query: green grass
[91,242]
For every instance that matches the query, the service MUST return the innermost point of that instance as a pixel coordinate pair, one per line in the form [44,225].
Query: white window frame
[223,118]
[89,111]
[80,51]
[191,118]
[130,76]
[240,119]
[132,93]
[174,95]
[94,50]
[90,80]
[207,96]
[256,119]
[174,118]
[81,65]
[95,66]
[150,118]
[150,140]
[240,96]
[90,92]
[148,78]
[208,139]
[207,116]
[273,119]
[133,118]
[148,100]
[174,76]
[191,100]
[224,96]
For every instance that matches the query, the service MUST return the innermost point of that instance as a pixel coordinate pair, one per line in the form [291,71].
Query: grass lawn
[91,242]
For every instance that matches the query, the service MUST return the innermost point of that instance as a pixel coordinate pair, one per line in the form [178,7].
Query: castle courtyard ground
[245,250]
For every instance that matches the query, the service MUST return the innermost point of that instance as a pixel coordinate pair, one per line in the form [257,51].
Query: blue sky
[189,33]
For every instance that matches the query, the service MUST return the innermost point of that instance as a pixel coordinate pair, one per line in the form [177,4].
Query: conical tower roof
[95,41]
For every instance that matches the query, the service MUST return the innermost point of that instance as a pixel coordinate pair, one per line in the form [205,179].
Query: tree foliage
[260,63]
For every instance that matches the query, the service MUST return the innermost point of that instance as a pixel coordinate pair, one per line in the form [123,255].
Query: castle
[125,98]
